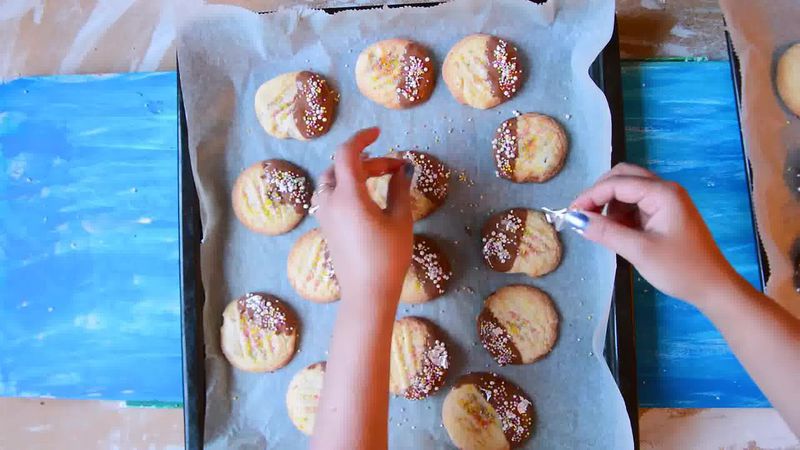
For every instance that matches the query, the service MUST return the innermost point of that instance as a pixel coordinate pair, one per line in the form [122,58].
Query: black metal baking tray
[736,77]
[620,349]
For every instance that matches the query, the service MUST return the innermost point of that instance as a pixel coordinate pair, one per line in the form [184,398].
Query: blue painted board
[680,121]
[89,297]
[89,228]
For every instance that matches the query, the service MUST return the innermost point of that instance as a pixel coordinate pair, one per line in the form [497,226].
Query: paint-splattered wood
[88,227]
[89,238]
[680,120]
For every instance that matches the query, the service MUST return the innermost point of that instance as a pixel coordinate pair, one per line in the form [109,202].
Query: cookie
[429,272]
[259,333]
[787,78]
[310,269]
[518,325]
[297,105]
[395,73]
[272,197]
[302,396]
[521,240]
[429,184]
[482,71]
[419,359]
[487,412]
[530,148]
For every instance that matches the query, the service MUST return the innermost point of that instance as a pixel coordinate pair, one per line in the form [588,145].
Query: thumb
[398,196]
[625,241]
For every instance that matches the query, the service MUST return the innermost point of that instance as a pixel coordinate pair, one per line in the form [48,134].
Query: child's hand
[370,248]
[654,224]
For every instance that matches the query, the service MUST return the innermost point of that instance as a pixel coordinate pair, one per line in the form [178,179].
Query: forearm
[355,398]
[765,339]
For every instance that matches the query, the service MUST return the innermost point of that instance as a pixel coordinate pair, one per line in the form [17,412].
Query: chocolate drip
[496,339]
[267,312]
[287,184]
[315,105]
[417,76]
[513,408]
[505,147]
[501,237]
[505,73]
[430,266]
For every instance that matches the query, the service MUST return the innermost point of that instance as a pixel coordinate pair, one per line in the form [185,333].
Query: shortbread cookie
[482,71]
[259,333]
[396,73]
[272,196]
[419,359]
[787,78]
[428,187]
[530,148]
[310,269]
[487,412]
[518,325]
[429,272]
[521,240]
[302,396]
[297,105]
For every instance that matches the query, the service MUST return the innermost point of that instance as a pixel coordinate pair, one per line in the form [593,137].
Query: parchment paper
[761,32]
[226,53]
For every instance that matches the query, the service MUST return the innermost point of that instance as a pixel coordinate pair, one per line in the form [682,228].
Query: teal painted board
[89,228]
[681,122]
[89,296]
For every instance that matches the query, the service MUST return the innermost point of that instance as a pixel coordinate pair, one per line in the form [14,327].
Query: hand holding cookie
[370,247]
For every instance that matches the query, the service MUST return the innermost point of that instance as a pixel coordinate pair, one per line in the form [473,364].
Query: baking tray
[736,77]
[620,348]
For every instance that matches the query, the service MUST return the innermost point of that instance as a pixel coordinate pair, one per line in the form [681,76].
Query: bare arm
[654,225]
[371,252]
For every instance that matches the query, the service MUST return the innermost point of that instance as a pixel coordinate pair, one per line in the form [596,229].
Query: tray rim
[620,345]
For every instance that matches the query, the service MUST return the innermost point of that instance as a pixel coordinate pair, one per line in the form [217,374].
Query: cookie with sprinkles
[297,105]
[396,73]
[302,396]
[259,333]
[530,148]
[429,273]
[310,269]
[272,197]
[484,411]
[482,71]
[429,185]
[419,359]
[518,325]
[520,240]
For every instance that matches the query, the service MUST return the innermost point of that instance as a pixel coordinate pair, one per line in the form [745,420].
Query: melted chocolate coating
[267,312]
[513,407]
[417,77]
[501,237]
[315,105]
[505,148]
[496,339]
[505,73]
[431,266]
[287,184]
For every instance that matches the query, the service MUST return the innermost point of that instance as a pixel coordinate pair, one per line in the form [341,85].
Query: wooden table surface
[88,247]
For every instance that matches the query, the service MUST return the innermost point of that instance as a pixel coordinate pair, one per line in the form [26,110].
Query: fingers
[626,242]
[348,162]
[325,185]
[628,169]
[622,188]
[375,167]
[398,197]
